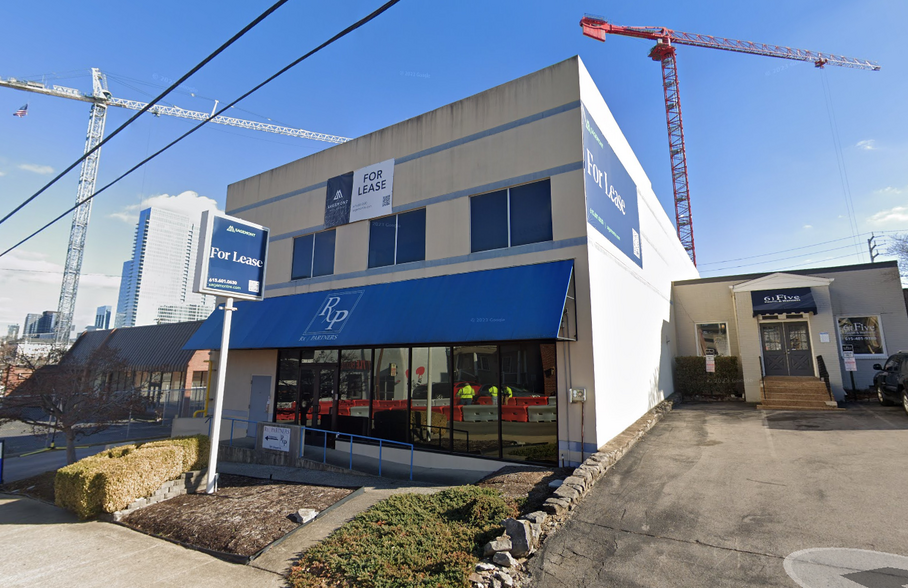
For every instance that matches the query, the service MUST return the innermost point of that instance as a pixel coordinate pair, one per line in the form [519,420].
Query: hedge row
[691,377]
[110,480]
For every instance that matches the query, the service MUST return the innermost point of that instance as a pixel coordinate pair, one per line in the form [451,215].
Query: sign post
[851,364]
[231,262]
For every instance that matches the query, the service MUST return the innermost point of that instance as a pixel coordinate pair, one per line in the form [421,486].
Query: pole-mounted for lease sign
[231,262]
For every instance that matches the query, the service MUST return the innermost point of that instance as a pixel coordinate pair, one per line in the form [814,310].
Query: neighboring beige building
[780,324]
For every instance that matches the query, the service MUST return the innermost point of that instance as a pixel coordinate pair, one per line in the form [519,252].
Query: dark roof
[801,272]
[153,347]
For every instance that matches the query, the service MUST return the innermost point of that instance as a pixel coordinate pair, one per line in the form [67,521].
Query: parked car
[891,380]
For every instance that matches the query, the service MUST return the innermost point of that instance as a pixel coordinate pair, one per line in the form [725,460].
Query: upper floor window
[398,239]
[511,217]
[313,255]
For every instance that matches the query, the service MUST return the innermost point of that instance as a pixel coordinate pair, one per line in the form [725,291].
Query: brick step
[789,407]
[797,402]
[793,386]
[805,395]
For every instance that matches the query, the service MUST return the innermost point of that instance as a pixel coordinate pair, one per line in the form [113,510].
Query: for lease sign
[232,257]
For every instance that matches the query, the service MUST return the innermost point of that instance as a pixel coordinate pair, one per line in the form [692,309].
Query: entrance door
[258,398]
[318,396]
[786,349]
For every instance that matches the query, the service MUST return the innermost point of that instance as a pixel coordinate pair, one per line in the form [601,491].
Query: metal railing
[824,375]
[325,434]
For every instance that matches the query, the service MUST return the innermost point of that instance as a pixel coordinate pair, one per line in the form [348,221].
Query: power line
[186,76]
[280,72]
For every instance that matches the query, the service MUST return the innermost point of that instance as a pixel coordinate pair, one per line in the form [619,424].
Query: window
[512,217]
[712,339]
[313,255]
[398,239]
[863,333]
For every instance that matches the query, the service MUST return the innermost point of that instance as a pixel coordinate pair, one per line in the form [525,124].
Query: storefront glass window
[529,429]
[712,339]
[863,333]
[286,395]
[353,391]
[389,394]
[531,213]
[476,394]
[489,221]
[430,384]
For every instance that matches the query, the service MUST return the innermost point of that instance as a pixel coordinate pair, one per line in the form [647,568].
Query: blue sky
[766,175]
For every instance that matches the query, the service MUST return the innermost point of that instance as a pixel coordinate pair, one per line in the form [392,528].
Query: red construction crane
[664,52]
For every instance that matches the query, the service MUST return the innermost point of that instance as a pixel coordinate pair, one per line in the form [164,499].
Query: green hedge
[692,379]
[110,480]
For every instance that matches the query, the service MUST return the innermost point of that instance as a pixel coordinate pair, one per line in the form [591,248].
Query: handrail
[762,380]
[302,444]
[824,375]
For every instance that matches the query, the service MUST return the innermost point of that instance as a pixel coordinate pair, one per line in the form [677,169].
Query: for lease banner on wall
[611,194]
[337,200]
[372,187]
[232,257]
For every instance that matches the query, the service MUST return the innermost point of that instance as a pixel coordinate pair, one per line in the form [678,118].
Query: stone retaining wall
[189,482]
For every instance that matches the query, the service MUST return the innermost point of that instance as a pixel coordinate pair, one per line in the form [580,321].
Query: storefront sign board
[232,257]
[611,194]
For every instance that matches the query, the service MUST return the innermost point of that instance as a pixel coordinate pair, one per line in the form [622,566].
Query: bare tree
[898,246]
[74,397]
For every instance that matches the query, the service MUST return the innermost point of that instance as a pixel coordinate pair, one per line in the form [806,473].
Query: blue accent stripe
[279,198]
[493,131]
[417,265]
[430,151]
[499,185]
[405,312]
[588,448]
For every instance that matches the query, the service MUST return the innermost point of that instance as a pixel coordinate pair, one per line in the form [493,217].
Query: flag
[21,112]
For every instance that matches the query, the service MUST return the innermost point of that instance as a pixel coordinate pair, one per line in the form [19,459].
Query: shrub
[691,377]
[110,480]
[408,540]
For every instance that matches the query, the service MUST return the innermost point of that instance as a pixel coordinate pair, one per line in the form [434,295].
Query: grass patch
[408,540]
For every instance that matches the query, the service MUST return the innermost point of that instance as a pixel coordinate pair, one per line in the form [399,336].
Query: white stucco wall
[630,306]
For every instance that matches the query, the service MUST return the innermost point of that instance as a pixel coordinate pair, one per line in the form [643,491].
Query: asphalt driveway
[721,495]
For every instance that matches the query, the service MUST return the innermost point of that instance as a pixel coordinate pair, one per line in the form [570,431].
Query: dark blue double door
[786,349]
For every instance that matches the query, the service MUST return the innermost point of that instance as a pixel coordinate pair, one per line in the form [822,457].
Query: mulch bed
[248,514]
[244,516]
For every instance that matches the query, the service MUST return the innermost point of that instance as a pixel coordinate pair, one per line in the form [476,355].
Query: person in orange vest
[466,394]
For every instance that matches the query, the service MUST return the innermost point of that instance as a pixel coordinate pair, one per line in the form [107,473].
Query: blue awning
[782,301]
[509,304]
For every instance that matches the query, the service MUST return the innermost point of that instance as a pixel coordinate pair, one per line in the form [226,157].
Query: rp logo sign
[333,313]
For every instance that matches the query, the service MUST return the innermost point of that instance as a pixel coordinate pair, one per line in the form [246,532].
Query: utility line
[879,233]
[186,76]
[280,72]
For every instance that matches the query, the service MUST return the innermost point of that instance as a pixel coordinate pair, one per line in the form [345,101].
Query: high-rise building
[40,325]
[160,272]
[31,324]
[12,333]
[102,317]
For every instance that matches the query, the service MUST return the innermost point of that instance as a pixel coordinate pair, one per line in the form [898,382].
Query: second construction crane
[664,52]
[100,99]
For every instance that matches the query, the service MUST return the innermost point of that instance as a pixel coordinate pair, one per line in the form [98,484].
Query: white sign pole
[211,488]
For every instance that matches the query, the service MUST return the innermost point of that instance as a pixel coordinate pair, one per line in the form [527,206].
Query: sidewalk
[48,546]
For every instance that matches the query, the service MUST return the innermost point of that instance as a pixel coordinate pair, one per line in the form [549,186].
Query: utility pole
[871,246]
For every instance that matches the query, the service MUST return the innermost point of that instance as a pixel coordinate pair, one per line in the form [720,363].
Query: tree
[74,397]
[898,246]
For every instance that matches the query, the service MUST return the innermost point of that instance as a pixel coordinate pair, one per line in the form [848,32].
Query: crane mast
[664,52]
[100,99]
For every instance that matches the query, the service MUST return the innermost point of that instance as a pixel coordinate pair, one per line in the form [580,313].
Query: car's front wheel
[905,400]
[882,396]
